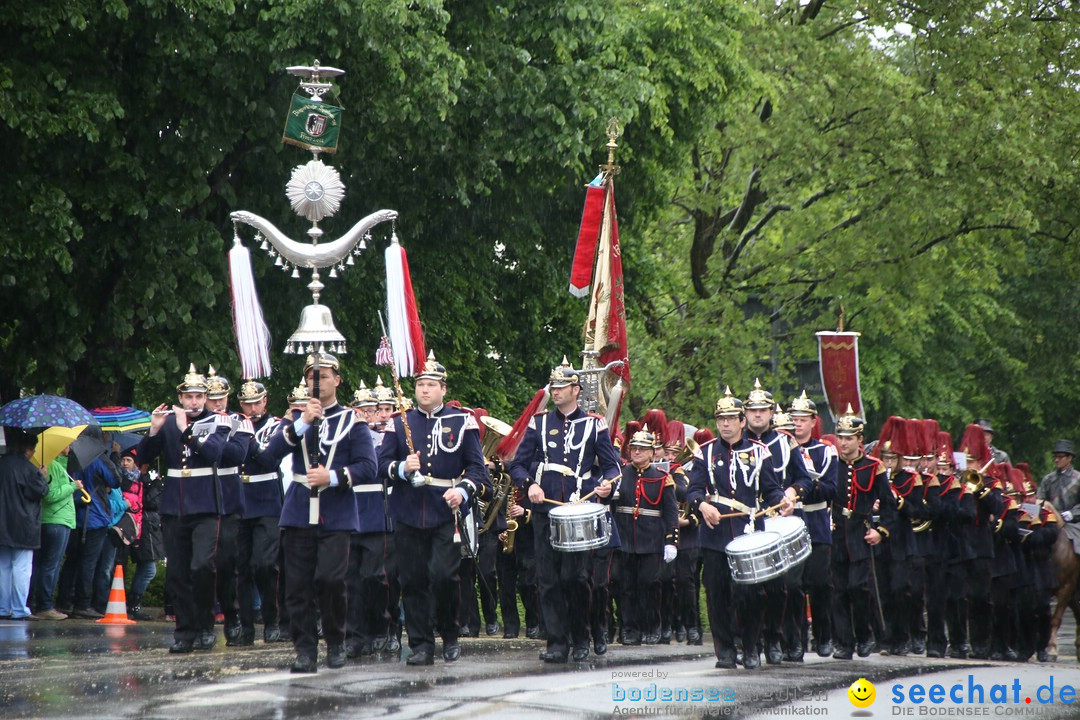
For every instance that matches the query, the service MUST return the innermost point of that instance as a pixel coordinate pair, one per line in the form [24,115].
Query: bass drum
[756,557]
[581,526]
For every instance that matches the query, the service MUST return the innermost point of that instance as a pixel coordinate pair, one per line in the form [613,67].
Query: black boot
[135,609]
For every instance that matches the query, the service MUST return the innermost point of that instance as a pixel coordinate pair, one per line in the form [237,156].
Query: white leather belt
[368,488]
[301,479]
[234,470]
[439,482]
[562,470]
[812,507]
[262,477]
[189,472]
[730,503]
[627,510]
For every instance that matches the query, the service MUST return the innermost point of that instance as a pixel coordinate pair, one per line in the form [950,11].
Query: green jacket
[58,507]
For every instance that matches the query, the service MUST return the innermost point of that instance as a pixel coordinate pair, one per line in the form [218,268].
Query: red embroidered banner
[588,234]
[838,357]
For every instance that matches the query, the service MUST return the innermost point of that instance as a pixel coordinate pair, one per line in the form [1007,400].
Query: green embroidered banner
[312,125]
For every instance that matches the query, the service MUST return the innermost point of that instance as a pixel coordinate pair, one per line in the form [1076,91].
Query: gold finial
[614,131]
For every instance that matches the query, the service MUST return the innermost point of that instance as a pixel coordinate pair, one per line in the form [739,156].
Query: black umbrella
[126,440]
[87,448]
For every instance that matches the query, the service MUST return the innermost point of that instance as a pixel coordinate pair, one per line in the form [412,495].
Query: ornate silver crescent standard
[308,255]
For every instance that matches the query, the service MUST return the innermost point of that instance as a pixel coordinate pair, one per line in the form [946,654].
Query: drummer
[565,455]
[784,599]
[734,477]
[646,515]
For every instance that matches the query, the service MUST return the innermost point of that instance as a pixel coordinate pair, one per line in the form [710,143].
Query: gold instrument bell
[496,431]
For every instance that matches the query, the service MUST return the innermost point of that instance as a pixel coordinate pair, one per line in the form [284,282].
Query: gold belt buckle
[245,479]
[185,473]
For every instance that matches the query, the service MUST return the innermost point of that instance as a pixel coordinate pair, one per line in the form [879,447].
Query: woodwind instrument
[507,537]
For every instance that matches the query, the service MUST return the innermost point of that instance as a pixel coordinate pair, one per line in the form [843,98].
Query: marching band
[383,515]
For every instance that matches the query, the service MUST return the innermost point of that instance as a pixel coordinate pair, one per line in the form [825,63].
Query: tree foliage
[911,161]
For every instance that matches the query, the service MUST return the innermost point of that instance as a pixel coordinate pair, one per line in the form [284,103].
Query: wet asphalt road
[76,669]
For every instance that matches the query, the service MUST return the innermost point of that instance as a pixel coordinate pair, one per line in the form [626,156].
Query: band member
[329,458]
[785,603]
[901,560]
[436,468]
[368,589]
[862,516]
[733,474]
[989,505]
[482,568]
[232,500]
[190,440]
[646,513]
[945,609]
[688,563]
[819,460]
[259,541]
[566,455]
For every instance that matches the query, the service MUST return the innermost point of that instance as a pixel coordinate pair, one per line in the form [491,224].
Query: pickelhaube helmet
[192,382]
[563,375]
[383,394]
[364,397]
[217,387]
[326,360]
[251,391]
[802,406]
[299,395]
[728,405]
[433,369]
[758,399]
[643,438]
[781,420]
[849,424]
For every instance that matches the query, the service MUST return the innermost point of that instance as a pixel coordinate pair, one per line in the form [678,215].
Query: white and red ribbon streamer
[402,316]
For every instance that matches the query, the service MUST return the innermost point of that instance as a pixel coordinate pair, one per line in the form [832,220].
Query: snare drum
[756,557]
[794,537]
[581,526]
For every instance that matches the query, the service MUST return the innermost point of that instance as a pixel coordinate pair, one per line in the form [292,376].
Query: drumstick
[768,510]
[554,502]
[605,482]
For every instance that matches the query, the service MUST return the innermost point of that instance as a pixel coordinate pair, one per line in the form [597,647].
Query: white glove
[1067,515]
[670,551]
[418,480]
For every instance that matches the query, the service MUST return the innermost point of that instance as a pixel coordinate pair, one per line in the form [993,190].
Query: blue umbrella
[43,411]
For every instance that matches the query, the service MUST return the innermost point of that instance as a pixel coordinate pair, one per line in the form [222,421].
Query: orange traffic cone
[116,611]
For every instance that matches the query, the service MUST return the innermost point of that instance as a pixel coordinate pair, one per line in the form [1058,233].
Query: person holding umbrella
[22,486]
[57,522]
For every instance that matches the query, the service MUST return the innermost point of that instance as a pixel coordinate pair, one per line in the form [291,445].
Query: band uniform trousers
[519,576]
[483,582]
[721,595]
[851,602]
[227,569]
[979,606]
[368,587]
[316,562]
[428,567]
[687,588]
[258,545]
[191,544]
[818,586]
[564,583]
[604,576]
[639,611]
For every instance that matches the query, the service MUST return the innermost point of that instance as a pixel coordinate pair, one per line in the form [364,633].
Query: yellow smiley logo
[862,693]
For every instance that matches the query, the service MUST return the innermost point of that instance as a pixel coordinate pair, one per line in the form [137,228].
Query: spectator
[88,545]
[57,522]
[135,484]
[22,486]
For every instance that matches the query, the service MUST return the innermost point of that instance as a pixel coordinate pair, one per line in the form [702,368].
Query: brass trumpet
[975,480]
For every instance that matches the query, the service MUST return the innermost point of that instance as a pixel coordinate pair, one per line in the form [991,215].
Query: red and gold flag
[838,357]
